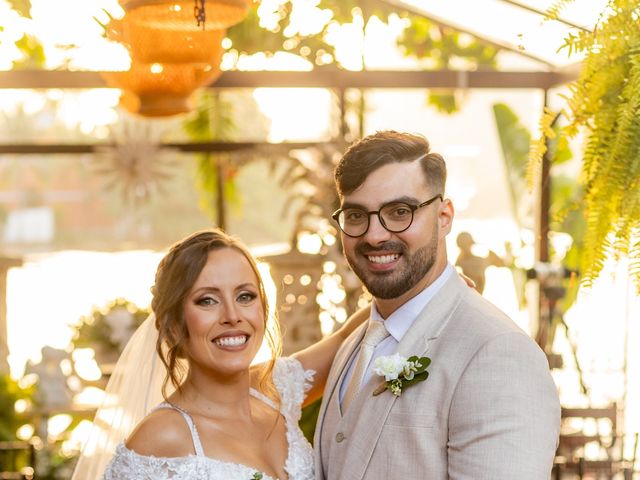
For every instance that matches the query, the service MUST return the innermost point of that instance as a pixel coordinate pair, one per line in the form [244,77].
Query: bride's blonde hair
[176,274]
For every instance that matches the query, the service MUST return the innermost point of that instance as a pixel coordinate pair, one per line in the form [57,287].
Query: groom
[489,409]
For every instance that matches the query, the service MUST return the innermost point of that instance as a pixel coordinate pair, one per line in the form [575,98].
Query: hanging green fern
[604,103]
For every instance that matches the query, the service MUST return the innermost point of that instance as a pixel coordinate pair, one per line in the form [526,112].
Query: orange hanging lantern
[179,14]
[175,48]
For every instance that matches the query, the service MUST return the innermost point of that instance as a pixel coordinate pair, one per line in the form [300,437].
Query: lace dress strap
[195,438]
[292,382]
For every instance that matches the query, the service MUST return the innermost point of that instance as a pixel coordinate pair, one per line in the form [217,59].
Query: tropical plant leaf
[514,140]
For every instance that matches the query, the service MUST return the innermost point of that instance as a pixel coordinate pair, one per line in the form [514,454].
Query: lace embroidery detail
[292,382]
[127,464]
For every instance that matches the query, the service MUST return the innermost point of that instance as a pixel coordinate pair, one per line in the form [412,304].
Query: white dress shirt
[397,324]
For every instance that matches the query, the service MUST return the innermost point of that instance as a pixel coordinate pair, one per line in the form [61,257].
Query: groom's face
[397,265]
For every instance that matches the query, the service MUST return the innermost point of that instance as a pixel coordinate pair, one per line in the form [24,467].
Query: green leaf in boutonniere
[400,372]
[257,476]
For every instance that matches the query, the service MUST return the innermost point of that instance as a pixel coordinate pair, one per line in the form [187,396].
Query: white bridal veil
[133,390]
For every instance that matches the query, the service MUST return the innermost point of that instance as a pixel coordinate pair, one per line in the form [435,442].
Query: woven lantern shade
[152,45]
[179,15]
[157,90]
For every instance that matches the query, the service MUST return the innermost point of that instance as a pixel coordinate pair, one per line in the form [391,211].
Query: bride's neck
[217,396]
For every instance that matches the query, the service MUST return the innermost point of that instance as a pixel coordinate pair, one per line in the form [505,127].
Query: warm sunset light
[128,125]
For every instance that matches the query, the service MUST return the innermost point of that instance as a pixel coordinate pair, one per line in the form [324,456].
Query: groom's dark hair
[374,151]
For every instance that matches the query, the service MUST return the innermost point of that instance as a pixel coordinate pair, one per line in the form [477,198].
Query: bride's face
[224,314]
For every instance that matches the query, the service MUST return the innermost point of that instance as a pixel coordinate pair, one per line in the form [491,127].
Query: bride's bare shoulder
[163,433]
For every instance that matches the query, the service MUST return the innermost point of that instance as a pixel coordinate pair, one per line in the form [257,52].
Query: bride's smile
[229,341]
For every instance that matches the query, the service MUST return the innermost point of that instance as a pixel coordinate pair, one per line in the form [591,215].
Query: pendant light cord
[199,12]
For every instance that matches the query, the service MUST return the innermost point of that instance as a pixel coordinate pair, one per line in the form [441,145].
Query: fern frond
[538,146]
[634,261]
[604,103]
[597,244]
[553,12]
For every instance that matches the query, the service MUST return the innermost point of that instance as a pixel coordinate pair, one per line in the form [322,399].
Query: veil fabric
[133,390]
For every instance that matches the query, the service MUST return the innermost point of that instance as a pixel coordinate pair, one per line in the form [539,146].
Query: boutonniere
[400,372]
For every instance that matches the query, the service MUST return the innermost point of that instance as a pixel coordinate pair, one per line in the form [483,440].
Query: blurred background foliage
[10,393]
[30,47]
[436,47]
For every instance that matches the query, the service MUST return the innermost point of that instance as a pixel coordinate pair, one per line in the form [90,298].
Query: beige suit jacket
[489,409]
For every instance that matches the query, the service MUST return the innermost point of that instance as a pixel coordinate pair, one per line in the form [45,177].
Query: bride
[210,416]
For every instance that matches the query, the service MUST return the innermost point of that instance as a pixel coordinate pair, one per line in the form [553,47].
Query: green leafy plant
[444,47]
[109,328]
[604,104]
[10,420]
[213,121]
[29,46]
[566,214]
[10,393]
[514,140]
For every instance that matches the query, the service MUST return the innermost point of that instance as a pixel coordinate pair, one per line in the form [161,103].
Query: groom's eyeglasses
[396,217]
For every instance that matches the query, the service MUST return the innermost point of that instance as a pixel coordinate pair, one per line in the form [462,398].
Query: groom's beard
[410,270]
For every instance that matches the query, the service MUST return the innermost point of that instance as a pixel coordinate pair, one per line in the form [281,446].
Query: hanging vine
[604,104]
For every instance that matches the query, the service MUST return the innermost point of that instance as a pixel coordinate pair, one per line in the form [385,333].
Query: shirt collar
[399,322]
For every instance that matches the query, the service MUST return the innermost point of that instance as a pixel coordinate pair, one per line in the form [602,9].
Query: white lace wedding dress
[290,380]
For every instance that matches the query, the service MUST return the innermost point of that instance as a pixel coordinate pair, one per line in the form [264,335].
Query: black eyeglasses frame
[413,209]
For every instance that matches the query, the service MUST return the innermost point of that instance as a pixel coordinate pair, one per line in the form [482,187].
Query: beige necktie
[376,332]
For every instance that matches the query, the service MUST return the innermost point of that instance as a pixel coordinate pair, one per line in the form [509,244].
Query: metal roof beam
[318,78]
[196,147]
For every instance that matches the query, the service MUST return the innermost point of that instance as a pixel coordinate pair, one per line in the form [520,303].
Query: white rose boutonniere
[400,372]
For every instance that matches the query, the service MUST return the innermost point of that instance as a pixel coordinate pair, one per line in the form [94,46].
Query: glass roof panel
[580,12]
[517,25]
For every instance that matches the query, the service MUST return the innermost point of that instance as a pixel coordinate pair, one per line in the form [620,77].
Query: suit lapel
[370,412]
[433,318]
